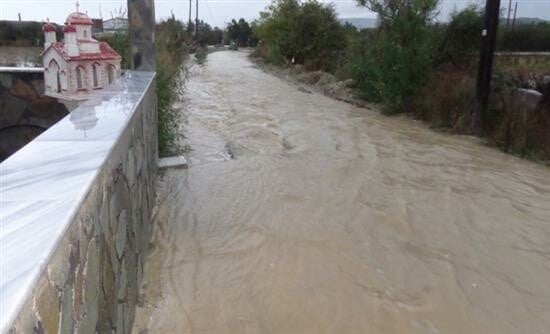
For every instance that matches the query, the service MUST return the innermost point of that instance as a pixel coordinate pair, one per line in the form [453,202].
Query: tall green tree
[239,31]
[308,33]
[461,36]
[398,59]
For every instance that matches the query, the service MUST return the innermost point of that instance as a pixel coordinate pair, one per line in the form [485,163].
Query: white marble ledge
[9,69]
[43,184]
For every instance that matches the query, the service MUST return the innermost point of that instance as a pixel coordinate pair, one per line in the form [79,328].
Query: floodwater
[302,214]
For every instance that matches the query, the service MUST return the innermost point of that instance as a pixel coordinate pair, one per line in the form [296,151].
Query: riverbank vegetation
[302,33]
[413,64]
[15,33]
[171,44]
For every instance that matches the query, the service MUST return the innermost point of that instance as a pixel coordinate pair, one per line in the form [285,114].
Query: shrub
[447,99]
[396,61]
[461,37]
[301,32]
[526,37]
[119,42]
[201,55]
[170,46]
[171,50]
[21,33]
[274,55]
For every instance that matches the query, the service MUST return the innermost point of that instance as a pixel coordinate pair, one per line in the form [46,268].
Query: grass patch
[200,55]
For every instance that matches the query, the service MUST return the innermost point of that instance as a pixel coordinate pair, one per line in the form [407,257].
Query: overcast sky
[217,12]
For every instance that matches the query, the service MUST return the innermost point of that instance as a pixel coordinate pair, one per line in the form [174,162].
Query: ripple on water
[301,214]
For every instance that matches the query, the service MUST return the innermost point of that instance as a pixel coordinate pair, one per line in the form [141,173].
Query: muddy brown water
[302,214]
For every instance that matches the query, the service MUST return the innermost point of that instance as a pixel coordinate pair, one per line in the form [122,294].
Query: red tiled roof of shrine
[106,53]
[78,18]
[48,27]
[69,28]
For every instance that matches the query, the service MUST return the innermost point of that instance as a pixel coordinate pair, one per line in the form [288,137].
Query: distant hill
[523,20]
[360,23]
[528,20]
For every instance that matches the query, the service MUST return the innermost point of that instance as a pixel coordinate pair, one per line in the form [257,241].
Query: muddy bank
[317,81]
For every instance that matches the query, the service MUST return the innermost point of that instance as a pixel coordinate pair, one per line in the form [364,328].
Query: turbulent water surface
[302,214]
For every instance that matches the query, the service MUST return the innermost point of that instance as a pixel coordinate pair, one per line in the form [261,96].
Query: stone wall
[90,283]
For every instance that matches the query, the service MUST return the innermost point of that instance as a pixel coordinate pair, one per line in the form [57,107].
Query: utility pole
[509,12]
[486,55]
[141,28]
[514,20]
[190,10]
[197,19]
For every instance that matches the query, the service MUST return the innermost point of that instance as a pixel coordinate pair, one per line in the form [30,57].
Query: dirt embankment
[318,81]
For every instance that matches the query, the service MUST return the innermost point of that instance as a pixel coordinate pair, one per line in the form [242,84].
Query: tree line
[238,31]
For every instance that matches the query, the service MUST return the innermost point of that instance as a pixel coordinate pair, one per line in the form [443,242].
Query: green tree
[239,31]
[204,32]
[527,37]
[396,62]
[216,36]
[308,33]
[461,36]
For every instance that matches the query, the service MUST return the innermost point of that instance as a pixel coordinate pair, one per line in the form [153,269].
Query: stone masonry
[91,282]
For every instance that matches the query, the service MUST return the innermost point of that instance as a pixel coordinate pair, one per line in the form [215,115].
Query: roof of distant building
[48,27]
[69,28]
[117,23]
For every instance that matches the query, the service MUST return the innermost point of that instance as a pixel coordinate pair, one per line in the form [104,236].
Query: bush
[274,55]
[171,50]
[170,46]
[447,99]
[201,55]
[461,37]
[397,59]
[119,42]
[22,33]
[526,37]
[301,32]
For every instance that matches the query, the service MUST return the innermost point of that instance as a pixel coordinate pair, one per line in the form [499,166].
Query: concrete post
[141,30]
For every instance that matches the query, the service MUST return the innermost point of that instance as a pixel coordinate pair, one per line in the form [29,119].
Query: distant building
[117,24]
[79,65]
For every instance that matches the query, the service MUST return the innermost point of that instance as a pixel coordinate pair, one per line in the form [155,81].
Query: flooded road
[302,214]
